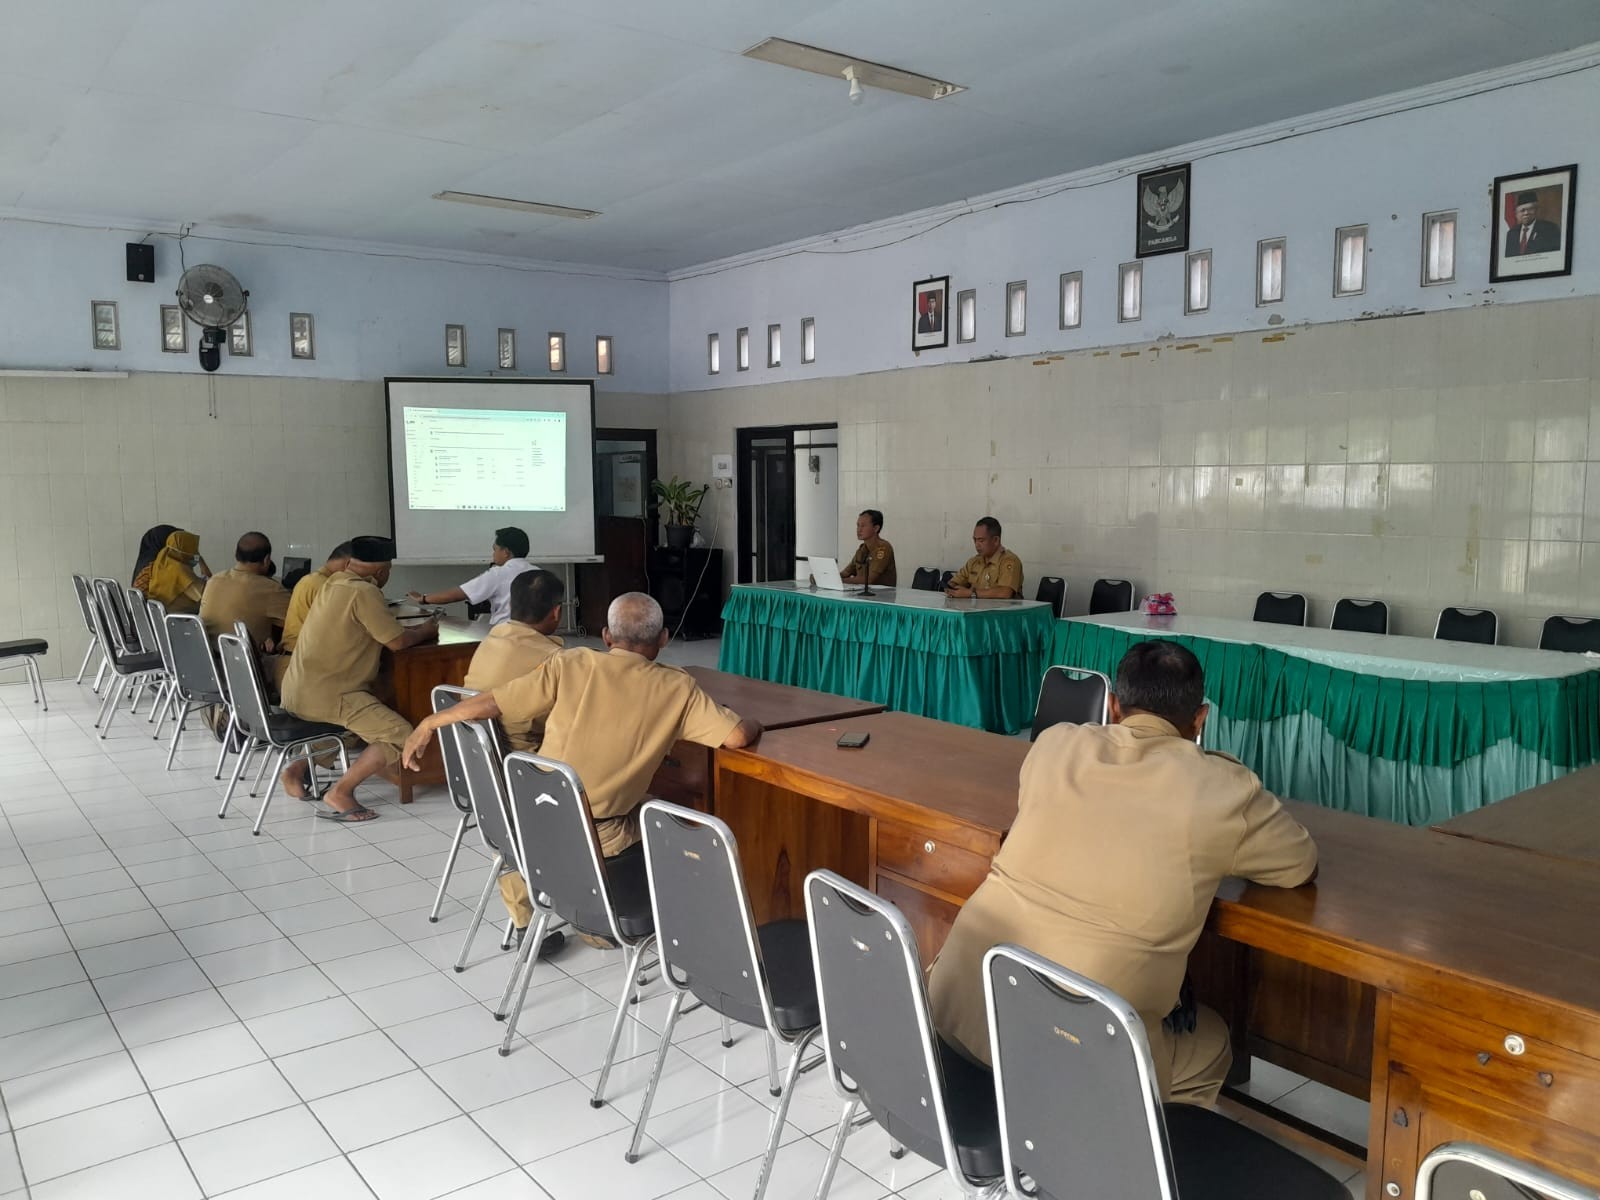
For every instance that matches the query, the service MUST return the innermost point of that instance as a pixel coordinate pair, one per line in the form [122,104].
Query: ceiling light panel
[869,74]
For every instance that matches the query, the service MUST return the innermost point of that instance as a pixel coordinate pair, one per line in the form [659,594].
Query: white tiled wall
[1445,458]
[86,466]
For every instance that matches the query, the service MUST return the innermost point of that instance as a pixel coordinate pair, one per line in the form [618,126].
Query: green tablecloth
[1415,750]
[971,665]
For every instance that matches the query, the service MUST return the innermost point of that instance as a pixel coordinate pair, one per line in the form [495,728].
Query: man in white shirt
[510,558]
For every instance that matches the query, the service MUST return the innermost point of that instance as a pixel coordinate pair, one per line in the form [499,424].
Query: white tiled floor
[187,1011]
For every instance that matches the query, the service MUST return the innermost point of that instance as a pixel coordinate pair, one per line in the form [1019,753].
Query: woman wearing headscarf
[149,546]
[177,574]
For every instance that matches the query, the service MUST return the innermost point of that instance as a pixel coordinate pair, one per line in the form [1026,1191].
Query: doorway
[788,506]
[625,519]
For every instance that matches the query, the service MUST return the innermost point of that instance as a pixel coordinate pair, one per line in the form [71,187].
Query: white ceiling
[341,118]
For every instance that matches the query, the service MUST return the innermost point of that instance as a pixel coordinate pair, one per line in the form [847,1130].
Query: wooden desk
[915,815]
[688,776]
[414,672]
[1560,819]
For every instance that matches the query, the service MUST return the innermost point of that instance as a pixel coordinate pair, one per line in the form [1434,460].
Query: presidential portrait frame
[925,294]
[1161,203]
[1556,204]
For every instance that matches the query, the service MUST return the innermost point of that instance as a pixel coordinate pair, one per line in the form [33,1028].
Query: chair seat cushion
[287,729]
[23,646]
[1218,1159]
[974,1118]
[138,662]
[786,956]
[629,882]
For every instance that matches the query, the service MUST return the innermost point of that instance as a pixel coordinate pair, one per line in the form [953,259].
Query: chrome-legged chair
[127,665]
[194,673]
[26,651]
[1463,1171]
[80,588]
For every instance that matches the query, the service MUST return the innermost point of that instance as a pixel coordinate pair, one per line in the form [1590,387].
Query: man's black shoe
[552,941]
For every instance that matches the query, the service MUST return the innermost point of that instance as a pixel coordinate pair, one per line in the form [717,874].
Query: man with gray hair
[611,717]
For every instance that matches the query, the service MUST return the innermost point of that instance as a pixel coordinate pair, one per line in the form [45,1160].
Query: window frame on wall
[505,349]
[174,330]
[741,349]
[239,335]
[808,340]
[97,309]
[1017,308]
[713,354]
[310,323]
[455,346]
[1431,221]
[605,362]
[1346,268]
[1130,272]
[1263,248]
[1070,284]
[967,315]
[775,345]
[1197,264]
[556,352]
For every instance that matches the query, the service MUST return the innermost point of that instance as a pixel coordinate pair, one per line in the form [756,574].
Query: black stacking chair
[269,730]
[1080,1109]
[80,588]
[128,665]
[1053,591]
[24,652]
[1072,694]
[1478,625]
[110,593]
[944,579]
[1462,1171]
[1360,616]
[711,948]
[926,579]
[479,796]
[1111,595]
[558,853]
[1571,633]
[882,1052]
[195,672]
[144,630]
[1281,608]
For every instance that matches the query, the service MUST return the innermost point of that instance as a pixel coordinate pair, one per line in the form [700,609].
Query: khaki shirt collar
[998,555]
[517,631]
[1145,724]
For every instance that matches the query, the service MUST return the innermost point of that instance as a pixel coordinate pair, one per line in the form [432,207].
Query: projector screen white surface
[467,457]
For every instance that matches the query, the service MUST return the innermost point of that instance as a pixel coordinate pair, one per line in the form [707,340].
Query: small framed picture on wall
[1532,224]
[1163,212]
[929,298]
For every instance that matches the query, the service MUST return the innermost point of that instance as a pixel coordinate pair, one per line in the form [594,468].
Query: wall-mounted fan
[213,300]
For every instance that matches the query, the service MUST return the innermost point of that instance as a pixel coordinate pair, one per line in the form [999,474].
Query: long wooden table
[413,673]
[1560,819]
[1453,983]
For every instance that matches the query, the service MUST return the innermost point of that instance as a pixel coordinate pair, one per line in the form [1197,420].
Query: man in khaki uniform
[874,558]
[1122,835]
[247,593]
[993,573]
[333,668]
[611,717]
[306,591]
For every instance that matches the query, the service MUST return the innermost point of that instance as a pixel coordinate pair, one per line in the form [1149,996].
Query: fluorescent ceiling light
[533,206]
[870,74]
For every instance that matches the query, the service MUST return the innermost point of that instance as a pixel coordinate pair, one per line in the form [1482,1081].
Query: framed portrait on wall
[1162,212]
[1532,224]
[930,325]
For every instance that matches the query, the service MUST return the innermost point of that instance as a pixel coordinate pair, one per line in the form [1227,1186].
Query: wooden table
[915,815]
[414,672]
[1560,819]
[688,776]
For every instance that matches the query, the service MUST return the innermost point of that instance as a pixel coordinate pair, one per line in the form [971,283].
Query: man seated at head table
[334,666]
[993,573]
[874,558]
[249,593]
[1123,833]
[306,591]
[612,718]
[508,559]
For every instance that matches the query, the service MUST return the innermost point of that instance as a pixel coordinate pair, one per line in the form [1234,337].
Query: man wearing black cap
[334,665]
[1532,234]
[493,587]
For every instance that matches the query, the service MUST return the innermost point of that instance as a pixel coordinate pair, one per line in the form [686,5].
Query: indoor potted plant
[680,501]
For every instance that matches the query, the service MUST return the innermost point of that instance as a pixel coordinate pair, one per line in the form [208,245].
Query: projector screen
[468,456]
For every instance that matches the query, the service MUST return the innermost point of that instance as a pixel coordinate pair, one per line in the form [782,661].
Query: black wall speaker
[141,262]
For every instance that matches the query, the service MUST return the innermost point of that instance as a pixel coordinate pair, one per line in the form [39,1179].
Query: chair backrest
[1479,625]
[1280,608]
[556,845]
[875,1023]
[156,617]
[246,696]
[1360,616]
[1571,633]
[704,930]
[1111,595]
[1072,694]
[1080,1106]
[1053,591]
[944,579]
[105,627]
[113,603]
[473,771]
[139,614]
[80,588]
[192,663]
[926,579]
[1462,1171]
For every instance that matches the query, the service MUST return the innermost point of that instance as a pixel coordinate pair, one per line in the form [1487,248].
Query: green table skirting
[979,668]
[1411,750]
